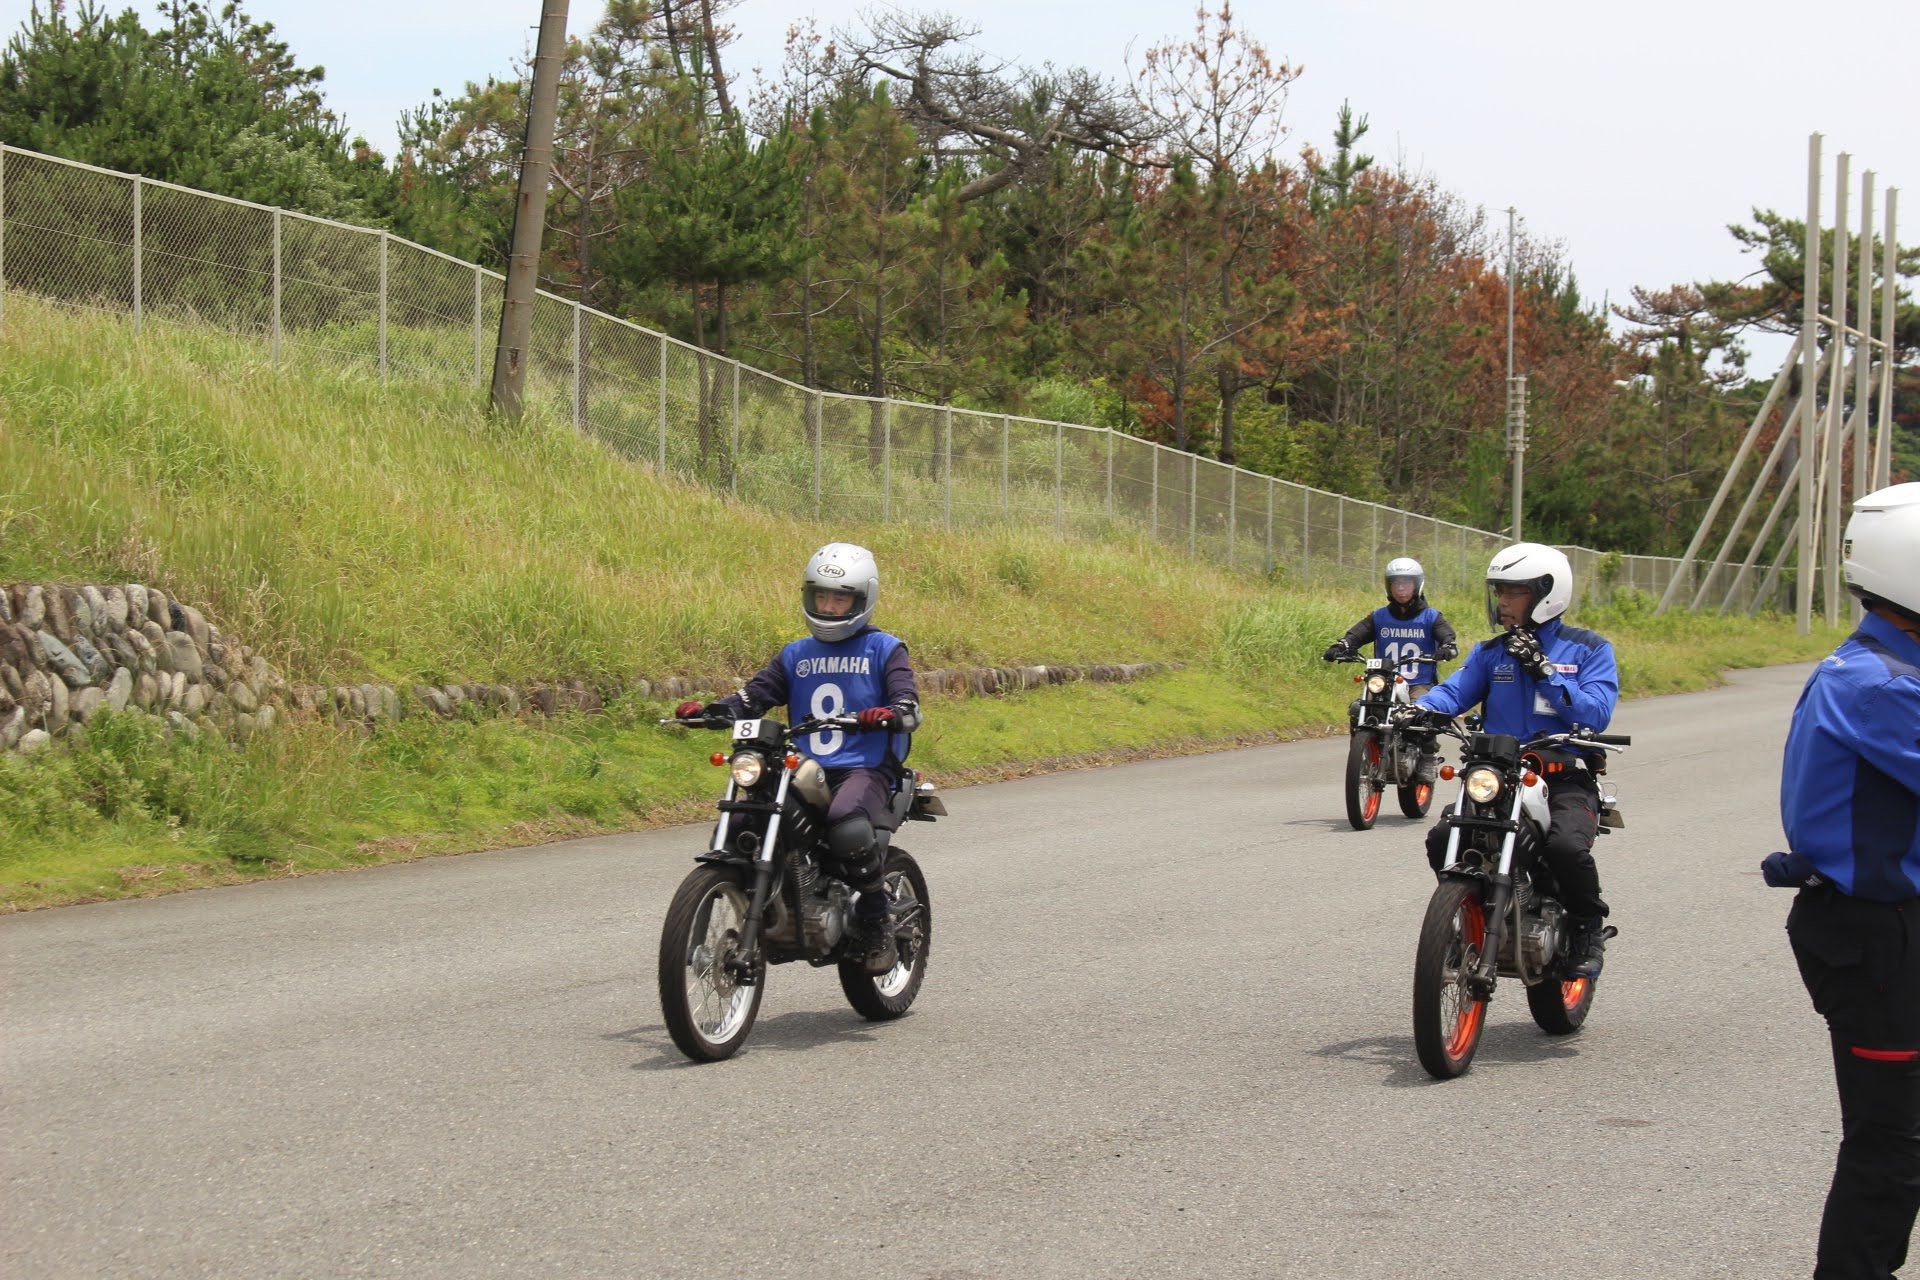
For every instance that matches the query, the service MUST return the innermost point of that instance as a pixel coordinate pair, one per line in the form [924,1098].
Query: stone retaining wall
[67,652]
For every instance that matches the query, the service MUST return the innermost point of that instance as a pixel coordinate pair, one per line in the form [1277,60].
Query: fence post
[1233,515]
[1306,535]
[1193,504]
[277,288]
[1059,497]
[663,404]
[1155,526]
[814,400]
[479,333]
[886,461]
[383,306]
[1270,489]
[1373,532]
[1006,482]
[579,374]
[733,459]
[1110,435]
[3,234]
[946,459]
[139,258]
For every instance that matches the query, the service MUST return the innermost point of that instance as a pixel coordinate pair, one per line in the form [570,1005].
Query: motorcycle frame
[1503,913]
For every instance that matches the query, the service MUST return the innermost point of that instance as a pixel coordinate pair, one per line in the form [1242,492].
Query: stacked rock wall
[67,652]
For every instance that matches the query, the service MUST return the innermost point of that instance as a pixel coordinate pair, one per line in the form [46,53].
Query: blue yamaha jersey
[1850,783]
[1394,637]
[839,679]
[1582,691]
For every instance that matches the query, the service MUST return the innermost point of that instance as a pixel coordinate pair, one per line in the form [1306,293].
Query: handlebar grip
[1614,739]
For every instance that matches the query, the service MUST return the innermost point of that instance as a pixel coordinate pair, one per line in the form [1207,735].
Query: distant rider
[1850,804]
[1541,676]
[1404,626]
[845,666]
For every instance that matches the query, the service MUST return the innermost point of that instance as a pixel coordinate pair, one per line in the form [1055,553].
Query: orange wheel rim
[1572,993]
[1422,793]
[1466,1024]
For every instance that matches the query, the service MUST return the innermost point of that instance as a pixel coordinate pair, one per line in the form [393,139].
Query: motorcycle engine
[824,912]
[1542,932]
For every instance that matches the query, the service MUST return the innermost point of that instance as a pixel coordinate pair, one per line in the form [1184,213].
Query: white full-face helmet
[1883,549]
[1543,569]
[840,567]
[1406,567]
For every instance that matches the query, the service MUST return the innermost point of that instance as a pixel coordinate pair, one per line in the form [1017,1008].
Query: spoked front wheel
[1447,1020]
[1363,787]
[1560,1008]
[885,996]
[708,1010]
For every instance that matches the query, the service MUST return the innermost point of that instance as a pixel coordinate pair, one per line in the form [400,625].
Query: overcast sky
[1632,132]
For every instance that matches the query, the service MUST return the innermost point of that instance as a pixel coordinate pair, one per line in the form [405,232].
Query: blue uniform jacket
[1850,784]
[1582,691]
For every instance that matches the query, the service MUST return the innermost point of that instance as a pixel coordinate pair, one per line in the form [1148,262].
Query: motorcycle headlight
[1376,684]
[1482,785]
[748,769]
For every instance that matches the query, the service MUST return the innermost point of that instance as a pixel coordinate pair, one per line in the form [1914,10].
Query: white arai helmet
[1546,570]
[1883,550]
[1406,567]
[840,566]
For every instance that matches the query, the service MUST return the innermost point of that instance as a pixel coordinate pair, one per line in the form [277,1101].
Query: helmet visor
[831,604]
[1510,604]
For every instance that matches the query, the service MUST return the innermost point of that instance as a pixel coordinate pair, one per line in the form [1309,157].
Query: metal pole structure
[277,288]
[1833,485]
[733,457]
[1516,430]
[1788,545]
[1862,365]
[383,306]
[886,461]
[576,366]
[1155,525]
[1271,486]
[1233,513]
[1795,474]
[1340,533]
[1306,535]
[1726,481]
[530,219]
[946,459]
[1883,453]
[663,401]
[3,234]
[1059,481]
[1006,469]
[479,332]
[814,403]
[1809,361]
[1110,434]
[139,255]
[1193,505]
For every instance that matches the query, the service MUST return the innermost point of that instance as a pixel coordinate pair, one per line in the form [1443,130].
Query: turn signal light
[1446,773]
[716,758]
[1529,777]
[793,759]
[1358,679]
[1399,679]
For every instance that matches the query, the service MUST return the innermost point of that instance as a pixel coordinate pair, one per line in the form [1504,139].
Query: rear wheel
[708,1010]
[1416,799]
[1560,1008]
[1447,1021]
[1363,787]
[885,996]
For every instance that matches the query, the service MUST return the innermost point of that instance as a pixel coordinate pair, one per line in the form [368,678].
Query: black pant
[1573,810]
[1861,963]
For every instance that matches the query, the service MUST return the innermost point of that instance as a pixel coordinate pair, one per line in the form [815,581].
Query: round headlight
[1482,785]
[748,768]
[1376,684]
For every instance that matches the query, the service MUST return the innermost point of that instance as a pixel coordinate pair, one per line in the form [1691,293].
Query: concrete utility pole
[1516,399]
[530,213]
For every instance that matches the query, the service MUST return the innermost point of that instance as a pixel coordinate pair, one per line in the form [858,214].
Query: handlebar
[813,724]
[1352,656]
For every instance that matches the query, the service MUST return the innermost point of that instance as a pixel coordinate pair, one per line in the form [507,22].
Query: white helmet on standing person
[1544,570]
[1883,550]
[844,569]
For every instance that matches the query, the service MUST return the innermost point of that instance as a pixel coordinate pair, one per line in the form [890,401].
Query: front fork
[1481,981]
[745,964]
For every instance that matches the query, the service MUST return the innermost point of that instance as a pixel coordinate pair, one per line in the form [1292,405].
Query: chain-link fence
[314,291]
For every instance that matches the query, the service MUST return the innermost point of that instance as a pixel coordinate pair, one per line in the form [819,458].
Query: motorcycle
[762,895]
[1381,752]
[1494,913]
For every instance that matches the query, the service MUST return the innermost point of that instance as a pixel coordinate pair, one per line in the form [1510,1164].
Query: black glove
[1412,716]
[1785,870]
[719,711]
[1447,653]
[1524,646]
[1336,651]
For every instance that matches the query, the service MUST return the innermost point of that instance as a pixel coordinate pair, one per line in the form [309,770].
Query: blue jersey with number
[841,679]
[1397,639]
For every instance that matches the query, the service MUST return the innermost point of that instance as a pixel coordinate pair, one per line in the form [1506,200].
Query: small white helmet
[840,566]
[1533,564]
[1406,567]
[1883,549]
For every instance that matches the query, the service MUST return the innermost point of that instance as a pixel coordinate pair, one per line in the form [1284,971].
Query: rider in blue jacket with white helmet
[1541,676]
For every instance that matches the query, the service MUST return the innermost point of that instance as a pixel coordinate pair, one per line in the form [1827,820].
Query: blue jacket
[1582,691]
[1850,784]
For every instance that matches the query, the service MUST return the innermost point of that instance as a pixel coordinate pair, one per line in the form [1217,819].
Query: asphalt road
[1165,1032]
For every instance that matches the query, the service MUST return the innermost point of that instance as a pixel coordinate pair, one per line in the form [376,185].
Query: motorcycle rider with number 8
[844,666]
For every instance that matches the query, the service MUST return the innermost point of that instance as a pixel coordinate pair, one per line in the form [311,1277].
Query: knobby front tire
[1447,1022]
[708,1012]
[1363,791]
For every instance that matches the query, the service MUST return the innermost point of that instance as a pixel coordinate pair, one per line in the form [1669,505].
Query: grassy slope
[353,531]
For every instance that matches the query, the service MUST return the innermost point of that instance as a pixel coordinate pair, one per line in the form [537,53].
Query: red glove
[877,717]
[688,710]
